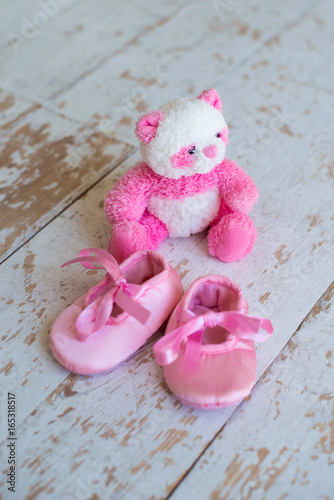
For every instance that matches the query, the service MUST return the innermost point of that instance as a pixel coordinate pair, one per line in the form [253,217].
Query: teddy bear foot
[232,238]
[129,237]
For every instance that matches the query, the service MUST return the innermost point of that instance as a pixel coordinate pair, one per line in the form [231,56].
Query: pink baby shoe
[208,351]
[116,317]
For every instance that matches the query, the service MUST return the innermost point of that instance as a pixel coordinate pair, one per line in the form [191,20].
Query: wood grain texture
[203,44]
[280,443]
[46,163]
[122,434]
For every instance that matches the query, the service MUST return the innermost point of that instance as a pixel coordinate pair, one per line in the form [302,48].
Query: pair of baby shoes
[208,350]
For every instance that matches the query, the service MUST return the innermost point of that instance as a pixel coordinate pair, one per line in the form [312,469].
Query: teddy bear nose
[210,151]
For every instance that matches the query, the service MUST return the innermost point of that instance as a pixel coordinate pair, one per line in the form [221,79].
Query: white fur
[188,215]
[185,122]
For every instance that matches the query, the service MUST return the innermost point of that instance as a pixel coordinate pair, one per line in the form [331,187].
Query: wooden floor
[74,75]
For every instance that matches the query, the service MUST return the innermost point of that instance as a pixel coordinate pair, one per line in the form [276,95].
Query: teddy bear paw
[232,238]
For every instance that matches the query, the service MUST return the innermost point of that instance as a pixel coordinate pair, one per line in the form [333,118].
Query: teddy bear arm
[127,199]
[238,189]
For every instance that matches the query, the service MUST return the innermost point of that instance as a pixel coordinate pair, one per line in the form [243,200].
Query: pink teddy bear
[184,184]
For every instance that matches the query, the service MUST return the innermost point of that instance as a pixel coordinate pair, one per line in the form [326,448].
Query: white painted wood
[24,18]
[78,41]
[46,163]
[195,49]
[280,442]
[123,435]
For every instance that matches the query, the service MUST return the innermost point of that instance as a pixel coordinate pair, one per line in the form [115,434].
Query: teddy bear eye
[192,151]
[218,134]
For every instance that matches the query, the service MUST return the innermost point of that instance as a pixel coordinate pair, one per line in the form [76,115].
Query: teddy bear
[184,185]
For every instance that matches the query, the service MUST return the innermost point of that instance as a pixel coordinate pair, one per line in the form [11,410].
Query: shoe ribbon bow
[241,325]
[100,299]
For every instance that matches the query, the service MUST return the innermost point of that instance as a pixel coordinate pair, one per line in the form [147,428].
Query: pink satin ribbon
[241,325]
[100,299]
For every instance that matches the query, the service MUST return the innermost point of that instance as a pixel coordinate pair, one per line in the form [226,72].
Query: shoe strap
[97,313]
[241,325]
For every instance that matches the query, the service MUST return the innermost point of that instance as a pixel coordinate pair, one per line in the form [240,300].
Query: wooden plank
[79,40]
[201,45]
[280,442]
[46,163]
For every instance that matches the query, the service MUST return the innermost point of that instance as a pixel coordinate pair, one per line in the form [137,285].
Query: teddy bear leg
[128,237]
[232,237]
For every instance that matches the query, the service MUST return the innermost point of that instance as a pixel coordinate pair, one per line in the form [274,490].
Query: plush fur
[184,184]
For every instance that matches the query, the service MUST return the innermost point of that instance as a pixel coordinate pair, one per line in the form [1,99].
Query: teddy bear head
[185,136]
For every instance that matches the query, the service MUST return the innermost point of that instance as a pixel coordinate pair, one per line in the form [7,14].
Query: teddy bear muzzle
[210,151]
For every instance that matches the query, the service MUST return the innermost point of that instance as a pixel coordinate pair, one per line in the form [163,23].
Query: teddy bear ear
[211,97]
[147,126]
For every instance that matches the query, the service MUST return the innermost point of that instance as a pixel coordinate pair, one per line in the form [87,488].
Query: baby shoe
[116,317]
[208,350]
